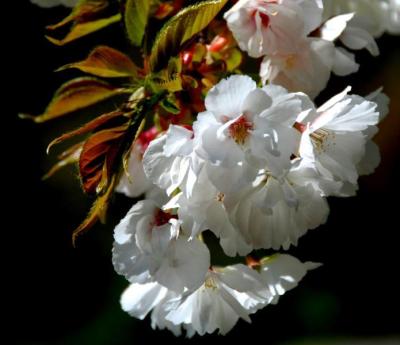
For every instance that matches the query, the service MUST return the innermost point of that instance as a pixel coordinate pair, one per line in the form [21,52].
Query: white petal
[156,165]
[341,153]
[312,14]
[382,101]
[357,115]
[127,226]
[139,299]
[335,26]
[185,265]
[371,159]
[282,272]
[344,62]
[227,97]
[136,183]
[178,141]
[256,102]
[358,38]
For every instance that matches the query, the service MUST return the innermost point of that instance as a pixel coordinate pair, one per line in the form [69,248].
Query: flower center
[264,17]
[240,130]
[210,283]
[319,139]
[220,197]
[300,127]
[290,61]
[162,217]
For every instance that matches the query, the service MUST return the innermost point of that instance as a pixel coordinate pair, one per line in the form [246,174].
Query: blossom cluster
[298,38]
[251,162]
[255,169]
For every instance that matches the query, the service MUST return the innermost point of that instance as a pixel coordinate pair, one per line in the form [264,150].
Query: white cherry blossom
[208,209]
[268,26]
[228,294]
[244,126]
[170,163]
[306,69]
[148,247]
[277,211]
[335,136]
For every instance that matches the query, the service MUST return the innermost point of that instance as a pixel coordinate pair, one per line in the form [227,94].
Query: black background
[61,295]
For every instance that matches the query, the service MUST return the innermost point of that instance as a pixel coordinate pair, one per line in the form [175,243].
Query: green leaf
[180,28]
[74,95]
[82,29]
[233,59]
[169,79]
[170,105]
[106,62]
[136,17]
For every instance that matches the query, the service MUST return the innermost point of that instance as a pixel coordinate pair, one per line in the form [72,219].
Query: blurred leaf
[106,62]
[74,95]
[82,29]
[169,79]
[189,82]
[69,156]
[83,11]
[233,59]
[180,28]
[88,127]
[136,17]
[98,155]
[163,10]
[199,52]
[170,105]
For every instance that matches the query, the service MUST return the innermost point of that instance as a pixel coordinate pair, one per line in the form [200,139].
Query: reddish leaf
[106,62]
[68,157]
[97,212]
[74,95]
[98,155]
[88,127]
[163,10]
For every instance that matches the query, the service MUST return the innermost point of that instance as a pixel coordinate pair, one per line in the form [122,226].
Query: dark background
[61,295]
